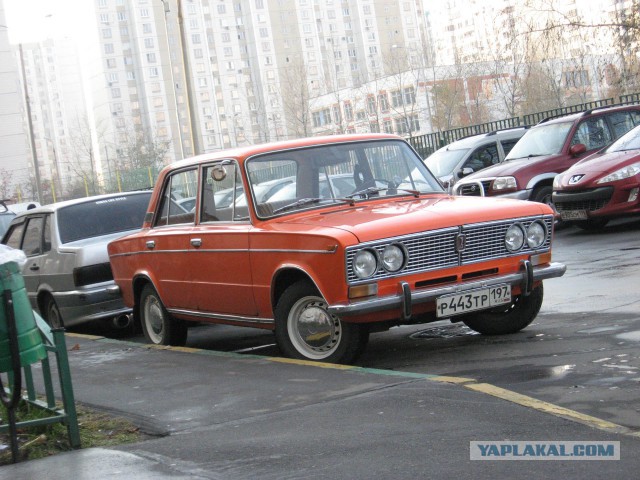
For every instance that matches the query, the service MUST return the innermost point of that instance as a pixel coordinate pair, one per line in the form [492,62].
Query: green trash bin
[30,343]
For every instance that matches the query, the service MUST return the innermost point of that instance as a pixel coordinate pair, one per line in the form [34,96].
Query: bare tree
[296,97]
[6,185]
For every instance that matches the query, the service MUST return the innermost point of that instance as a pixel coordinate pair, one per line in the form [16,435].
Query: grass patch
[97,429]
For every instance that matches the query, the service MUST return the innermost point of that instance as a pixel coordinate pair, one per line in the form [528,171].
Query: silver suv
[470,154]
[67,275]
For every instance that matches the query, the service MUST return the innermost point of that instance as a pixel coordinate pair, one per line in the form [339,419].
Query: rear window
[102,217]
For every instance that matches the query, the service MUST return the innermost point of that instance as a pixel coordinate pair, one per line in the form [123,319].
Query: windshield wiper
[366,192]
[531,155]
[298,203]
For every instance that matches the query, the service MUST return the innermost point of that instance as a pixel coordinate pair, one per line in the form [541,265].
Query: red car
[602,186]
[361,238]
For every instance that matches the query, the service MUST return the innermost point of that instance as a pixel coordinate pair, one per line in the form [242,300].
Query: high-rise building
[16,165]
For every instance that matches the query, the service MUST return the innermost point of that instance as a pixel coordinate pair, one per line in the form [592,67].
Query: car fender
[297,272]
[543,177]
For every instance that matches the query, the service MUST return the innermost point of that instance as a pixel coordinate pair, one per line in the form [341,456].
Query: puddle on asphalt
[445,331]
[530,373]
[631,336]
[600,329]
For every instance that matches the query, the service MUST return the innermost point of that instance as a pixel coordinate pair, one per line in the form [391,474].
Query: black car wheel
[158,326]
[507,319]
[306,330]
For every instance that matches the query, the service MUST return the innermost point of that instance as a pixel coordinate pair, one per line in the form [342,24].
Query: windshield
[541,140]
[629,141]
[102,216]
[443,162]
[336,173]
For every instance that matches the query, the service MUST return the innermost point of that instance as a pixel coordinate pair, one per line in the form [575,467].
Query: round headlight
[365,264]
[392,258]
[514,238]
[536,234]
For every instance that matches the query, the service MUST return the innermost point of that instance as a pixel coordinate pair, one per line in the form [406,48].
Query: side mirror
[577,149]
[464,172]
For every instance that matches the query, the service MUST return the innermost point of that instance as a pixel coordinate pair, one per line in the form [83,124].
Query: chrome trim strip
[422,296]
[220,316]
[229,250]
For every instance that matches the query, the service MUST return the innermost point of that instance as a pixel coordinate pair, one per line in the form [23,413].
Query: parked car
[67,275]
[547,149]
[326,267]
[6,216]
[470,154]
[9,210]
[603,186]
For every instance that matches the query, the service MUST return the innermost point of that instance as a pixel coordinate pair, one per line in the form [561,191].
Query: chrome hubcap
[153,319]
[312,330]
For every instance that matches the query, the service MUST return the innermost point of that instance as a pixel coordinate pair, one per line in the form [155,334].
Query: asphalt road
[580,353]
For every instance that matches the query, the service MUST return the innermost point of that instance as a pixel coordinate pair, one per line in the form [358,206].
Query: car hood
[373,220]
[596,166]
[508,167]
[92,251]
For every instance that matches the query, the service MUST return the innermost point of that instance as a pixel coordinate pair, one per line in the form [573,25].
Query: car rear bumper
[407,298]
[89,304]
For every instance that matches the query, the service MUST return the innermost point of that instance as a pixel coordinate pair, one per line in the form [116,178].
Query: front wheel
[306,330]
[510,319]
[158,326]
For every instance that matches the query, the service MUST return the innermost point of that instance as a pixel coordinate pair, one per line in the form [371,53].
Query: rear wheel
[158,326]
[306,330]
[52,313]
[510,319]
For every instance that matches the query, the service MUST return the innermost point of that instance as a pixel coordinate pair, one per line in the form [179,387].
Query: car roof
[474,140]
[251,150]
[52,207]
[572,117]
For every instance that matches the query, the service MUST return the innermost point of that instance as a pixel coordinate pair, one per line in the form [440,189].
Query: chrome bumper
[406,299]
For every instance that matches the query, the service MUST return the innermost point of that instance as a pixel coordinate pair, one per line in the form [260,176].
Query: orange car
[354,235]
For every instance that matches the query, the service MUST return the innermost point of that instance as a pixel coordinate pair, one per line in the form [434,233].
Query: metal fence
[426,144]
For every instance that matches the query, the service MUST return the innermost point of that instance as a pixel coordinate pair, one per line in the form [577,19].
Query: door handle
[196,242]
[151,244]
[34,268]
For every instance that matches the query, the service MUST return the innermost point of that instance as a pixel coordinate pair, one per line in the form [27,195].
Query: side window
[507,145]
[46,242]
[483,157]
[223,194]
[622,122]
[32,243]
[14,236]
[593,133]
[177,203]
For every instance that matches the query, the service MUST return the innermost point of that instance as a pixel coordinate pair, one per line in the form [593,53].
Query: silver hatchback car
[67,275]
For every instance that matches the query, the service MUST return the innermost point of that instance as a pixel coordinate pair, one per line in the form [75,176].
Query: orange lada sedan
[355,236]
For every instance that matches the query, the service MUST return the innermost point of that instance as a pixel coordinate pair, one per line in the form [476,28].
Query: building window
[348,112]
[321,118]
[396,98]
[151,57]
[148,42]
[371,105]
[146,28]
[153,72]
[106,33]
[111,63]
[409,96]
[122,16]
[108,48]
[383,102]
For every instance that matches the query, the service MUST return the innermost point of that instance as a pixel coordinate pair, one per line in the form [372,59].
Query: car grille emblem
[575,179]
[461,242]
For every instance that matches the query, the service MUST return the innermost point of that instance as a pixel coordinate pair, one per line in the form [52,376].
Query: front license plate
[573,215]
[450,305]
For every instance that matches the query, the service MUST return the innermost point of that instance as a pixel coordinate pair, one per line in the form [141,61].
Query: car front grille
[473,189]
[588,205]
[436,250]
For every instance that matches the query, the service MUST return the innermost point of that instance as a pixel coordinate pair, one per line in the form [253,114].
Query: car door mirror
[577,149]
[464,172]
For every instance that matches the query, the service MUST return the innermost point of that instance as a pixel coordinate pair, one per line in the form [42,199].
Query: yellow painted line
[309,363]
[454,380]
[84,335]
[545,407]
